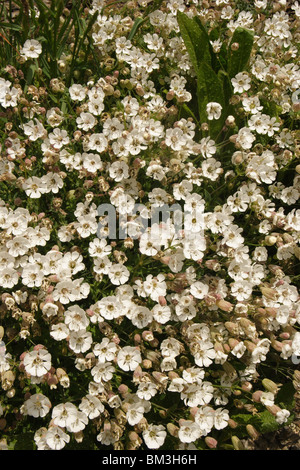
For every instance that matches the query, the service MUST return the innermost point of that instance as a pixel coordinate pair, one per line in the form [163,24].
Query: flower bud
[256,396]
[273,409]
[247,386]
[172,429]
[233,328]
[270,240]
[224,305]
[270,386]
[211,442]
[235,46]
[237,444]
[253,433]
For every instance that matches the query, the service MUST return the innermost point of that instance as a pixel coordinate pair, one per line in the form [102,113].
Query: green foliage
[238,59]
[213,74]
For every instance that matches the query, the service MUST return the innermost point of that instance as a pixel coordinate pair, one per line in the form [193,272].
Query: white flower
[135,413]
[118,274]
[221,418]
[282,416]
[37,362]
[241,82]
[213,110]
[80,341]
[199,290]
[38,405]
[154,436]
[91,406]
[31,49]
[129,358]
[189,431]
[267,398]
[56,438]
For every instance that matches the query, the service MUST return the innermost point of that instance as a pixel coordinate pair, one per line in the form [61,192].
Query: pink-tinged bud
[147,335]
[224,305]
[253,433]
[147,364]
[273,409]
[170,95]
[160,377]
[218,347]
[233,328]
[277,345]
[52,380]
[233,342]
[38,347]
[213,264]
[285,335]
[41,215]
[89,312]
[247,386]
[133,436]
[249,345]
[211,442]
[107,426]
[162,301]
[235,46]
[256,396]
[269,293]
[271,311]
[232,424]
[115,339]
[173,375]
[226,348]
[22,356]
[193,411]
[53,278]
[123,389]
[137,339]
[138,373]
[237,158]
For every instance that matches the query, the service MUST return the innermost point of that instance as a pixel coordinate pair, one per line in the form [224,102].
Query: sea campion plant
[165,338]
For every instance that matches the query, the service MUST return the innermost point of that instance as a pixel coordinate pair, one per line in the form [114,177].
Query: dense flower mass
[120,329]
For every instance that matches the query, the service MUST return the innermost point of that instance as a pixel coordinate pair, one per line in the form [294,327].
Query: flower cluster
[163,338]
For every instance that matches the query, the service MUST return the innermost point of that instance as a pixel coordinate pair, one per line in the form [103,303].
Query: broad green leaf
[195,39]
[286,396]
[238,59]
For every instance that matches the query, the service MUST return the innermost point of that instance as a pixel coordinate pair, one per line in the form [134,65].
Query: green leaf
[138,22]
[195,39]
[238,59]
[286,396]
[265,422]
[25,441]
